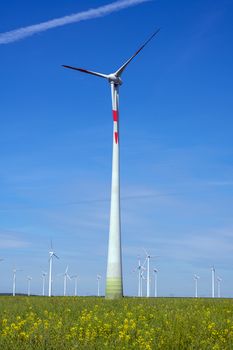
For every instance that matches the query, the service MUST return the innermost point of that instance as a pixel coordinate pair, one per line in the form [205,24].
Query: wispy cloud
[11,240]
[21,33]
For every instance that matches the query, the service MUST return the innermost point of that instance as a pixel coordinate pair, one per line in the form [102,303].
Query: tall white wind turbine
[114,285]
[213,281]
[29,285]
[44,274]
[219,280]
[14,281]
[147,261]
[196,278]
[156,282]
[51,255]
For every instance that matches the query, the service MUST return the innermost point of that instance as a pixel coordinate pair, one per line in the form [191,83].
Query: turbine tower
[148,257]
[75,277]
[114,283]
[213,281]
[51,255]
[219,280]
[44,274]
[29,285]
[140,269]
[14,281]
[66,276]
[156,282]
[98,285]
[196,278]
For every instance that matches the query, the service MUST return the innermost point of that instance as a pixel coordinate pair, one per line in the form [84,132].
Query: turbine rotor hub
[112,78]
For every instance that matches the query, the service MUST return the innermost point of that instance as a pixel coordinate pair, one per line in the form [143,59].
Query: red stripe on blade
[116,136]
[115,116]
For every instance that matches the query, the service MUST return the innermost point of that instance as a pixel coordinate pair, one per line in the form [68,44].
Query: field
[95,323]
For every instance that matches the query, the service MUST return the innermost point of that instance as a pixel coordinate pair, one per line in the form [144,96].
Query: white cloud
[21,33]
[8,240]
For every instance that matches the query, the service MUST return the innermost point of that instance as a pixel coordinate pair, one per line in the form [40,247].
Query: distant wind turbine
[219,280]
[147,261]
[44,274]
[51,255]
[196,278]
[14,281]
[213,281]
[66,277]
[29,285]
[98,285]
[142,279]
[156,282]
[140,269]
[114,283]
[75,277]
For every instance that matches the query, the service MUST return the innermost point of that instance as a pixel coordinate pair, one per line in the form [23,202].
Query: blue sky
[176,143]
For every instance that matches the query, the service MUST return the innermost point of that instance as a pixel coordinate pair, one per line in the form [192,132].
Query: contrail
[21,33]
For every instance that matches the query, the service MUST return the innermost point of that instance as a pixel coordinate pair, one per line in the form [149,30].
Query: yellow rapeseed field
[131,323]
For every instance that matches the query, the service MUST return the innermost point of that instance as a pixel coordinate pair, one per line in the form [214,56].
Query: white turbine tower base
[66,276]
[213,281]
[114,285]
[14,281]
[219,280]
[98,285]
[156,283]
[147,261]
[196,278]
[43,282]
[29,285]
[75,277]
[140,269]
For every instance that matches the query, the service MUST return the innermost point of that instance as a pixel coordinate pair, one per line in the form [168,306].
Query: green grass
[130,323]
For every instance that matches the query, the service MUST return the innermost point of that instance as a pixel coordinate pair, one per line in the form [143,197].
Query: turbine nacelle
[112,78]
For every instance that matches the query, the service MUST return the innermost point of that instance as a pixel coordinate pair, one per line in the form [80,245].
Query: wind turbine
[44,274]
[66,276]
[147,260]
[156,282]
[51,255]
[29,285]
[219,280]
[14,281]
[213,280]
[196,278]
[75,277]
[140,269]
[142,278]
[114,283]
[98,285]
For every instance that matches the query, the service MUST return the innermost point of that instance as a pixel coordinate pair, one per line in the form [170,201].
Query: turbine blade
[86,71]
[122,68]
[55,256]
[144,264]
[145,252]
